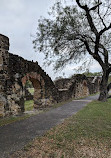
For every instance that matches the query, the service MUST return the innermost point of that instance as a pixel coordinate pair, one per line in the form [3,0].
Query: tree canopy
[75,32]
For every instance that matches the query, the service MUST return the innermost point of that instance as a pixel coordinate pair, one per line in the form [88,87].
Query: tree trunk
[103,87]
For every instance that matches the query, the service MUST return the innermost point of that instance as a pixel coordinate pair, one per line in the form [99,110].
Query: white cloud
[95,67]
[18,19]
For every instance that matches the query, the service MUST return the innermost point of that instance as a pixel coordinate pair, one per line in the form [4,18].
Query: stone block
[17,86]
[1,60]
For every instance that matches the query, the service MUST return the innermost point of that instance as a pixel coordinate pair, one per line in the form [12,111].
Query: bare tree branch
[102,20]
[97,6]
[105,29]
[89,18]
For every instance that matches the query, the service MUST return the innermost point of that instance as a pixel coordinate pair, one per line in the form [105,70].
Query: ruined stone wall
[4,47]
[77,87]
[14,72]
[63,83]
[93,84]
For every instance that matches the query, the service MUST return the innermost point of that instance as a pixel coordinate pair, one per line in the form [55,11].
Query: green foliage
[29,84]
[59,35]
[31,90]
[89,74]
[70,34]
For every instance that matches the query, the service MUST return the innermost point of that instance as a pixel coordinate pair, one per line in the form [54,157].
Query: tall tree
[74,31]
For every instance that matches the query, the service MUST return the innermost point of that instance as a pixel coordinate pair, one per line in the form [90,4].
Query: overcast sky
[18,21]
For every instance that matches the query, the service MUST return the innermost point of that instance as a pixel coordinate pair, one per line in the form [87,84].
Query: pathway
[16,135]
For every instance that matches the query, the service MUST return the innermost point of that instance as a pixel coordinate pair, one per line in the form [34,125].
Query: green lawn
[29,105]
[85,135]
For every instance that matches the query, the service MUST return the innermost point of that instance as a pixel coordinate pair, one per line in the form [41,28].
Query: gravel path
[16,135]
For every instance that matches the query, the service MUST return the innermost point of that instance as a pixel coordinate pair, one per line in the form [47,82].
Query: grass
[31,90]
[29,105]
[85,135]
[9,120]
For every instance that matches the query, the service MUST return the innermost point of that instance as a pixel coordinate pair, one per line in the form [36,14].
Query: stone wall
[4,47]
[77,87]
[14,73]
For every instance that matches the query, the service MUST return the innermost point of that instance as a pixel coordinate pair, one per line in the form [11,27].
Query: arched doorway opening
[85,88]
[34,87]
[28,98]
[38,93]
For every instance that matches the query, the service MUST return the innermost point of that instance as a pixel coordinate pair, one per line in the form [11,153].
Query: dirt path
[16,135]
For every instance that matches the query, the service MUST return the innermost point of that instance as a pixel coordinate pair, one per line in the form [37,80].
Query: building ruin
[15,71]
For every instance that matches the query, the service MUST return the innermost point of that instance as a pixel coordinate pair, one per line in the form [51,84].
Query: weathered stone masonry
[77,86]
[15,71]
